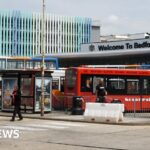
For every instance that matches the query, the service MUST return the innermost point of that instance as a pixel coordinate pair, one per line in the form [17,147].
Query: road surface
[34,134]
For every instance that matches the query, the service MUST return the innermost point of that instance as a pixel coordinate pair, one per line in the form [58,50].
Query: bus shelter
[29,83]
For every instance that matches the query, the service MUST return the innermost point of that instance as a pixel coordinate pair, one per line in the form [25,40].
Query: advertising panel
[26,87]
[0,94]
[47,94]
[7,88]
[27,92]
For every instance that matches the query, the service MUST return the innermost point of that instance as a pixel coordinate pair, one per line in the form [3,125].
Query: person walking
[16,101]
[100,92]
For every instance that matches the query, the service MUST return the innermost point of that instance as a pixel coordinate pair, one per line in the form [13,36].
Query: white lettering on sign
[9,133]
[137,99]
[117,45]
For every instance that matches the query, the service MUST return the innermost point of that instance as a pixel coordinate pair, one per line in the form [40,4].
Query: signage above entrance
[116,45]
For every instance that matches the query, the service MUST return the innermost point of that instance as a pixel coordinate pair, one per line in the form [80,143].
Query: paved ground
[37,134]
[129,119]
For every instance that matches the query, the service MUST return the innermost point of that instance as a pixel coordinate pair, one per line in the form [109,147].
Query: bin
[77,105]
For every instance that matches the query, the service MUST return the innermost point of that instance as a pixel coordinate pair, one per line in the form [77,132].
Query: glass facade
[20,33]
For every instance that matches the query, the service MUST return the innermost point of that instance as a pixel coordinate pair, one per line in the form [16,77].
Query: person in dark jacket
[16,101]
[101,92]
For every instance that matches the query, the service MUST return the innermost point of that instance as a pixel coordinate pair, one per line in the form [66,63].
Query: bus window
[58,78]
[62,84]
[50,65]
[146,86]
[132,86]
[55,84]
[70,78]
[116,85]
[86,83]
[96,82]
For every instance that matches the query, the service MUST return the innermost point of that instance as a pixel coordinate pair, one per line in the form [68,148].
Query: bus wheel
[116,101]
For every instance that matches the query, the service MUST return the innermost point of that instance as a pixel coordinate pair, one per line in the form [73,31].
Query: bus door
[116,89]
[145,93]
[134,93]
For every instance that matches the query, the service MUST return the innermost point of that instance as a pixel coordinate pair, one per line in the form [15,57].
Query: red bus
[128,86]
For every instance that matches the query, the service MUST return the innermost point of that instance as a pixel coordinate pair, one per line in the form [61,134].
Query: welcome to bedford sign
[119,45]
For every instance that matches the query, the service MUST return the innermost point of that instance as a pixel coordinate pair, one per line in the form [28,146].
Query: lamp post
[43,56]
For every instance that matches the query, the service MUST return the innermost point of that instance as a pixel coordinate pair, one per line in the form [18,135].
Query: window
[50,65]
[116,85]
[20,64]
[132,86]
[70,78]
[96,82]
[146,86]
[11,65]
[62,84]
[86,83]
[29,65]
[37,65]
[55,84]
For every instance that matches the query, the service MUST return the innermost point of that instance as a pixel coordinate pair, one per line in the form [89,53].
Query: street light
[43,56]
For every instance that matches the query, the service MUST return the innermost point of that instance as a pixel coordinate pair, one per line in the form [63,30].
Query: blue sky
[116,16]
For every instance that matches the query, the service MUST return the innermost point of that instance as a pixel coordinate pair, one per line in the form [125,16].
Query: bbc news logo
[9,134]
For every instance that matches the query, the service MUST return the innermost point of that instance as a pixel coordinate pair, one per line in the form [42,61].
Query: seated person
[87,87]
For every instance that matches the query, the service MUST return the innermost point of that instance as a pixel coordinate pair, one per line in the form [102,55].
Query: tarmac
[67,116]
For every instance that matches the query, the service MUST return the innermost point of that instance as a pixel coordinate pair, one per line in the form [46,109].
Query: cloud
[113,18]
[121,18]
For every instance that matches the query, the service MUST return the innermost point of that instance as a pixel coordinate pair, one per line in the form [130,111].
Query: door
[145,94]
